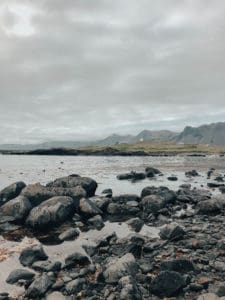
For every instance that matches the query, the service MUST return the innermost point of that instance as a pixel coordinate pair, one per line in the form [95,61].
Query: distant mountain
[211,134]
[115,139]
[157,136]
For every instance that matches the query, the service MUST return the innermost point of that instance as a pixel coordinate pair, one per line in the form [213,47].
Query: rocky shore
[185,260]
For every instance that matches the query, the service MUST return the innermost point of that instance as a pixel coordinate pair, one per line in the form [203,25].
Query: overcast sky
[81,69]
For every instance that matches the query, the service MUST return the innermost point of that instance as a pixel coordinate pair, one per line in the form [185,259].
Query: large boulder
[19,274]
[167,284]
[211,206]
[88,208]
[180,265]
[17,208]
[88,184]
[40,286]
[75,286]
[131,176]
[166,194]
[77,258]
[172,232]
[11,191]
[31,254]
[152,204]
[129,289]
[118,268]
[37,193]
[124,198]
[53,211]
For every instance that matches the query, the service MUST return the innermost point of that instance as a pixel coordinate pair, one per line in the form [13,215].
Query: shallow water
[104,170]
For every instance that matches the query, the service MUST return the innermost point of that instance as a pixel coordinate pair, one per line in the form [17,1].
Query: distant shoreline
[138,149]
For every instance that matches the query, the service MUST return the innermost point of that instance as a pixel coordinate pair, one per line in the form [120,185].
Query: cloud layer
[84,69]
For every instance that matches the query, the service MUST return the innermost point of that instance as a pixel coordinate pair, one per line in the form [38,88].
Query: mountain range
[211,134]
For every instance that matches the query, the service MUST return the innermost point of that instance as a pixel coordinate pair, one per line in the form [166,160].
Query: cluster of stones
[186,261]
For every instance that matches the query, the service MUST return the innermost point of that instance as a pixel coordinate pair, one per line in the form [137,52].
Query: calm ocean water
[42,169]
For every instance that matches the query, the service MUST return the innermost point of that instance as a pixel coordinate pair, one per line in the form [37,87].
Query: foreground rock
[19,274]
[31,254]
[40,286]
[37,193]
[88,184]
[117,268]
[51,212]
[17,208]
[211,206]
[11,191]
[167,284]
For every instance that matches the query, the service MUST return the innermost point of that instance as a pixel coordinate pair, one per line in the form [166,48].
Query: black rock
[172,178]
[88,208]
[76,258]
[69,234]
[31,254]
[167,284]
[180,265]
[120,267]
[19,274]
[211,206]
[172,232]
[40,286]
[129,289]
[88,184]
[47,266]
[53,211]
[37,193]
[75,286]
[17,208]
[152,204]
[136,224]
[131,176]
[192,173]
[11,191]
[166,194]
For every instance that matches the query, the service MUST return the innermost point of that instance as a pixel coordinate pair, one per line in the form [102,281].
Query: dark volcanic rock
[75,286]
[69,234]
[53,211]
[215,184]
[192,173]
[172,178]
[136,224]
[31,254]
[152,204]
[166,194]
[131,176]
[11,191]
[167,284]
[17,208]
[47,266]
[181,265]
[129,289]
[37,193]
[151,172]
[88,184]
[39,286]
[76,258]
[172,232]
[88,208]
[117,268]
[19,274]
[124,198]
[211,206]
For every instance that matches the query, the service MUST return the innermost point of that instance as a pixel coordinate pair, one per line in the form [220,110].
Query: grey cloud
[89,68]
